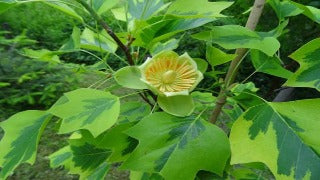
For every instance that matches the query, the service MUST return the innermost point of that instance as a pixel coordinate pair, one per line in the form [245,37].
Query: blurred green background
[32,84]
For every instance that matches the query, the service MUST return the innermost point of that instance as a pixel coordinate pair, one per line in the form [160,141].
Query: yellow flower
[169,74]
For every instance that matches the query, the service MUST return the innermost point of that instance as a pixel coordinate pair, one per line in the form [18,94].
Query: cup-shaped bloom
[169,74]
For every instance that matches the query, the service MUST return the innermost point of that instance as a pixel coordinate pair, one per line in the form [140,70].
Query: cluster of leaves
[156,144]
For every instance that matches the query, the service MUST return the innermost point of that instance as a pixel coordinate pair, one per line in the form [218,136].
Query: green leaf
[100,172]
[234,36]
[89,109]
[249,86]
[250,171]
[284,136]
[284,9]
[102,6]
[156,29]
[245,95]
[269,65]
[82,157]
[119,13]
[232,110]
[60,157]
[21,138]
[130,77]
[278,31]
[7,4]
[201,64]
[133,111]
[4,84]
[64,8]
[144,9]
[214,74]
[135,175]
[216,57]
[309,11]
[202,99]
[166,46]
[204,103]
[120,144]
[197,9]
[74,42]
[308,56]
[100,42]
[176,147]
[88,156]
[181,105]
[42,55]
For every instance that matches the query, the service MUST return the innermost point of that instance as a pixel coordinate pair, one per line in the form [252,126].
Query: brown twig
[130,41]
[145,98]
[105,26]
[125,48]
[232,72]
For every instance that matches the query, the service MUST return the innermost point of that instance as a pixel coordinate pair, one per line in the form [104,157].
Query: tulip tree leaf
[60,157]
[133,111]
[21,138]
[309,11]
[232,110]
[87,109]
[176,147]
[203,100]
[199,8]
[308,56]
[120,144]
[59,5]
[74,42]
[42,55]
[100,172]
[144,9]
[144,176]
[234,36]
[268,65]
[284,9]
[244,97]
[163,27]
[102,6]
[166,46]
[82,157]
[250,171]
[180,105]
[100,42]
[64,156]
[216,57]
[201,64]
[284,136]
[87,156]
[278,31]
[130,77]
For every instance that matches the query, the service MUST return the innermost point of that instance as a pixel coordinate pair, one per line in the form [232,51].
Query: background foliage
[36,83]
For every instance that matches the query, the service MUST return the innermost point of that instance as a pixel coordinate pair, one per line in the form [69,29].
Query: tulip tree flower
[170,76]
